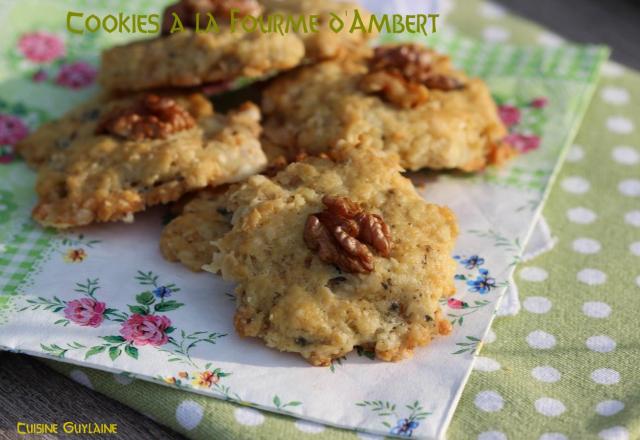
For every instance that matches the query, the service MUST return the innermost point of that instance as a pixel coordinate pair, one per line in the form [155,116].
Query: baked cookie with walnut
[108,159]
[406,100]
[190,58]
[336,253]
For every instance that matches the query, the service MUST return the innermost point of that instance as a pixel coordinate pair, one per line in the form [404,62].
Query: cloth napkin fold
[541,241]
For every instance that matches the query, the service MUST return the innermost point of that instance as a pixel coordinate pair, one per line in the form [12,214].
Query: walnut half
[404,74]
[151,117]
[340,235]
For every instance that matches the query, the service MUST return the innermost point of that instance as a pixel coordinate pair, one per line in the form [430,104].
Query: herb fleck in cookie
[405,99]
[108,159]
[331,254]
[188,58]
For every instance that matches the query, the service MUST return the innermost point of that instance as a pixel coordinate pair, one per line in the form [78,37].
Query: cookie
[189,58]
[202,217]
[108,159]
[188,237]
[406,100]
[332,254]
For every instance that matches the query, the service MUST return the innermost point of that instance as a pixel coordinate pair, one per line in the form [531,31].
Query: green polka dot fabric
[568,365]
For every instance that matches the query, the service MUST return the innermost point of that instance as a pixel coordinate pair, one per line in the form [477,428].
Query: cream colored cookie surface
[192,58]
[449,123]
[293,298]
[108,159]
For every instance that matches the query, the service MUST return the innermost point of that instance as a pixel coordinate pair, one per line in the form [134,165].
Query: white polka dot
[491,10]
[495,34]
[537,304]
[123,378]
[638,280]
[592,277]
[553,436]
[596,309]
[625,155]
[575,184]
[541,340]
[575,154]
[614,433]
[634,248]
[308,427]
[615,95]
[581,215]
[81,378]
[532,273]
[630,187]
[619,124]
[248,416]
[549,407]
[605,376]
[609,407]
[486,364]
[546,374]
[492,435]
[632,218]
[189,414]
[601,344]
[612,69]
[489,401]
[586,246]
[489,337]
[550,39]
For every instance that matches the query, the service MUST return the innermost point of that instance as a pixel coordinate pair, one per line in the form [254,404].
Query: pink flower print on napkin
[12,129]
[85,312]
[41,47]
[456,304]
[509,114]
[146,329]
[539,102]
[523,142]
[76,75]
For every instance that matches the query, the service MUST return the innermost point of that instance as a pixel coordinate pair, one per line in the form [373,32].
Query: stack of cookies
[297,197]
